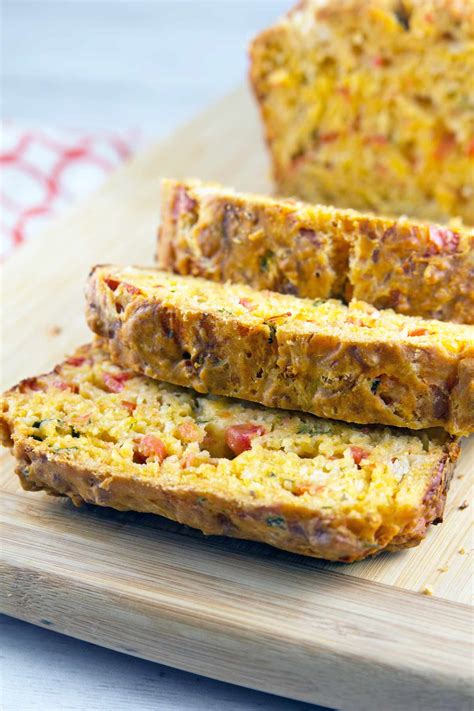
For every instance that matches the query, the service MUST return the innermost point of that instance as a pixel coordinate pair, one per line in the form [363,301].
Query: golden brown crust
[365,104]
[235,341]
[307,535]
[317,251]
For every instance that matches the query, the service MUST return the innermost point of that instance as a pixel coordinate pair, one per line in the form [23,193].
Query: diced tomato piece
[112,283]
[130,288]
[189,432]
[344,91]
[130,406]
[309,488]
[418,332]
[151,446]
[329,137]
[247,304]
[75,362]
[30,384]
[272,318]
[80,419]
[445,145]
[358,454]
[470,149]
[62,385]
[378,61]
[377,139]
[239,437]
[116,383]
[443,240]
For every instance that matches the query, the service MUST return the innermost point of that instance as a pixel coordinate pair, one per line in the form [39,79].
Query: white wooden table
[105,64]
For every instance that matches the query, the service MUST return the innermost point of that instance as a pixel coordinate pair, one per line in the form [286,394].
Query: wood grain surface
[359,636]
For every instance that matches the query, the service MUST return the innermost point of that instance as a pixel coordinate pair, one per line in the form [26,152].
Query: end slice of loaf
[96,433]
[368,104]
[317,251]
[352,363]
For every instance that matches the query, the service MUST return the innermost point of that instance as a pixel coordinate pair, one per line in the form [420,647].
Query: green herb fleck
[309,428]
[201,500]
[277,521]
[37,438]
[37,424]
[374,385]
[265,260]
[318,302]
[273,331]
[272,474]
[228,312]
[74,432]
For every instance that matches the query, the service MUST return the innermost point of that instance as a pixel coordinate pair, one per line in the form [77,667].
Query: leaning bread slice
[99,434]
[317,251]
[352,363]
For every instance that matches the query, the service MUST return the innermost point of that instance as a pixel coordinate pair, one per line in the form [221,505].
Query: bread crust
[363,104]
[272,360]
[317,251]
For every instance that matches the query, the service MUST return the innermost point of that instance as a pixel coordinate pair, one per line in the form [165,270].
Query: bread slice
[352,363]
[96,433]
[368,104]
[317,251]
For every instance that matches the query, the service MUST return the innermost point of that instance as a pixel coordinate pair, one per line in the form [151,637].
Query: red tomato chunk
[151,446]
[116,383]
[112,283]
[75,362]
[239,437]
[358,454]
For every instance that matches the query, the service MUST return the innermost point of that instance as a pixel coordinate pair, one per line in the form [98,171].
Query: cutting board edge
[155,625]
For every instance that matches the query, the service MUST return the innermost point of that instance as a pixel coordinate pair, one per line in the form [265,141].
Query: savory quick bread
[369,104]
[317,251]
[96,433]
[352,363]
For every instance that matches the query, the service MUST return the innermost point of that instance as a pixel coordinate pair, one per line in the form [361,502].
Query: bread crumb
[462,551]
[444,569]
[464,505]
[460,476]
[428,590]
[54,331]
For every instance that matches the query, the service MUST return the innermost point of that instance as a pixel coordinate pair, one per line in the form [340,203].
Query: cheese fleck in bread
[96,433]
[317,251]
[352,363]
[369,104]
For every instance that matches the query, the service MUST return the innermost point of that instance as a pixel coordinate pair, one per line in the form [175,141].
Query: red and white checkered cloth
[44,170]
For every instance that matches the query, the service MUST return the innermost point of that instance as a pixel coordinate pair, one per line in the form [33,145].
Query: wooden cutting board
[361,636]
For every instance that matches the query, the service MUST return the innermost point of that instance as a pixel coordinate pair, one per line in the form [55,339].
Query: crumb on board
[54,330]
[464,505]
[462,551]
[443,569]
[460,476]
[427,590]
